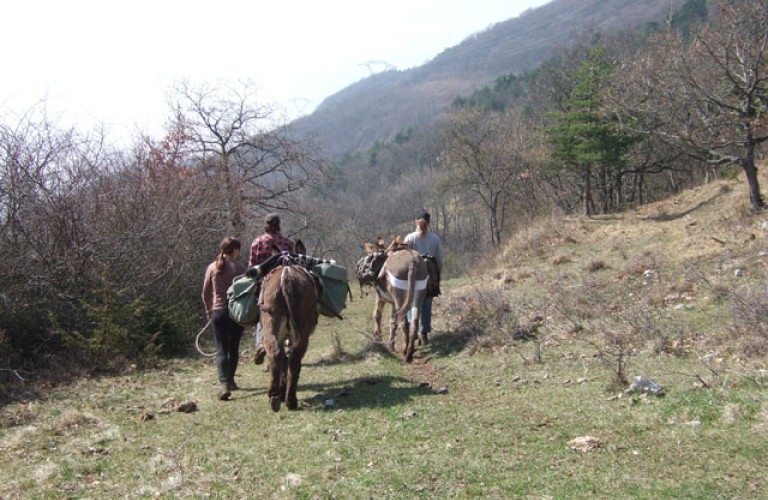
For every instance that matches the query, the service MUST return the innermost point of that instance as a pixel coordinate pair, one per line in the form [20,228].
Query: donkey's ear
[299,247]
[368,247]
[380,242]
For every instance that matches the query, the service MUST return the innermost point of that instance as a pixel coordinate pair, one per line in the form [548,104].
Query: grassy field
[526,357]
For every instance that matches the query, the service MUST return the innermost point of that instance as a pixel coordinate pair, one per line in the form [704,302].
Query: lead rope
[197,341]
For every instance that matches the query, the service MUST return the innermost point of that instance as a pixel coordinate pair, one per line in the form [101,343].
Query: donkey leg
[392,328]
[276,374]
[276,357]
[410,341]
[294,370]
[377,319]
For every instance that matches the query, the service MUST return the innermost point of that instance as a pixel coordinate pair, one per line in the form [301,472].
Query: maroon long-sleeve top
[215,284]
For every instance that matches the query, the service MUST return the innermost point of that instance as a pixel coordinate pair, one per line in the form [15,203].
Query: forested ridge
[103,247]
[377,107]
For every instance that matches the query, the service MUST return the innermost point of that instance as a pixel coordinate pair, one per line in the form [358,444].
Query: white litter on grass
[291,481]
[585,444]
[45,472]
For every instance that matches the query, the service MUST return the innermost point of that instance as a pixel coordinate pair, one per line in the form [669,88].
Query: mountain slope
[377,107]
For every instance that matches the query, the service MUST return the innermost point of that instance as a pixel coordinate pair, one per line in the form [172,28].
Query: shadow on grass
[381,391]
[680,215]
[444,344]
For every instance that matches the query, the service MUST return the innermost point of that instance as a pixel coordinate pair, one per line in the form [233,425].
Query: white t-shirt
[429,244]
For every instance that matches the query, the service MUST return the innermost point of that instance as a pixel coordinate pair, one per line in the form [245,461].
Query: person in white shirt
[426,242]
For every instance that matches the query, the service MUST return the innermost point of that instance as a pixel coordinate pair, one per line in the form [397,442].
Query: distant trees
[709,97]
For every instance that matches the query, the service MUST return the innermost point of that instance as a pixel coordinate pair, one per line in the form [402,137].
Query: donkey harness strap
[403,284]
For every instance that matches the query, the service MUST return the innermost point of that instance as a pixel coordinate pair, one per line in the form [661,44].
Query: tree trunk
[605,190]
[495,234]
[587,192]
[755,199]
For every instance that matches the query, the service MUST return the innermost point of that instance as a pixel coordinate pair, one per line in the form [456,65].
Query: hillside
[477,415]
[377,107]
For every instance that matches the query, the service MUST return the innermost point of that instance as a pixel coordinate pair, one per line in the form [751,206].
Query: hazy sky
[112,62]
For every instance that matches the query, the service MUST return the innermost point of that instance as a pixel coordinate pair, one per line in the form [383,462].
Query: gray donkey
[402,283]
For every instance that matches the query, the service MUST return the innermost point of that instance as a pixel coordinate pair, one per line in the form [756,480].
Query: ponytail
[220,262]
[227,246]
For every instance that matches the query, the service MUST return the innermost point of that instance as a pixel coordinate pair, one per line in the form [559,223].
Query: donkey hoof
[292,405]
[274,403]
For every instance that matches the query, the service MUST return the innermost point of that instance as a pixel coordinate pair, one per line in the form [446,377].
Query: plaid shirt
[261,248]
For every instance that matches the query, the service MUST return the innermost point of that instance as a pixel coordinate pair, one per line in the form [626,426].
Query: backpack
[242,301]
[334,289]
[433,285]
[368,267]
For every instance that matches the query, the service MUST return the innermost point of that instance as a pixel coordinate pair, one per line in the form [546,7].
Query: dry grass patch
[489,316]
[560,259]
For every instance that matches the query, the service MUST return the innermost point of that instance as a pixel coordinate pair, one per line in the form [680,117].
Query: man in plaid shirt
[262,248]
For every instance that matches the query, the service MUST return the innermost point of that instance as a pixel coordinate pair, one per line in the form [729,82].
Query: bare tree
[255,160]
[484,153]
[708,98]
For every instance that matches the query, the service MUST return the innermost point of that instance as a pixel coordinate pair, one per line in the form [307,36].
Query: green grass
[501,430]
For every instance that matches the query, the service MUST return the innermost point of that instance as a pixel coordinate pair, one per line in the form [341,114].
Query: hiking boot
[258,358]
[224,393]
[423,338]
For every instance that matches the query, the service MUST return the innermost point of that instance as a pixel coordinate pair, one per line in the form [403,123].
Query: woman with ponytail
[226,333]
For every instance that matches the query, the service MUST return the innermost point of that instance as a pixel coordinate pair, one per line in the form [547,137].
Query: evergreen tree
[583,138]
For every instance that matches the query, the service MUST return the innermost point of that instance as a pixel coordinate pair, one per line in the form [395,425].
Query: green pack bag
[333,279]
[242,301]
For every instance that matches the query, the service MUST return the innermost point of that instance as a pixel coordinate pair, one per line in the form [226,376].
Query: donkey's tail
[403,312]
[288,287]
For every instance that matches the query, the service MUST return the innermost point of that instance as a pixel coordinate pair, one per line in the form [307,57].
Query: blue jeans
[426,315]
[259,335]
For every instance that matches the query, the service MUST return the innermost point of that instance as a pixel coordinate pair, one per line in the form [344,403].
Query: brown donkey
[288,316]
[402,283]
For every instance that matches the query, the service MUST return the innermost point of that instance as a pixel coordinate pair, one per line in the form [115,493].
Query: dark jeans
[227,335]
[426,315]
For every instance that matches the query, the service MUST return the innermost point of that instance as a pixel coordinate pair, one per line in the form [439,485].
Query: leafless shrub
[595,265]
[749,311]
[615,349]
[652,326]
[639,265]
[337,349]
[488,317]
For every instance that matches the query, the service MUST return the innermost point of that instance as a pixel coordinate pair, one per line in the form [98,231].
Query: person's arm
[208,291]
[263,268]
[439,254]
[252,259]
[409,240]
[313,261]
